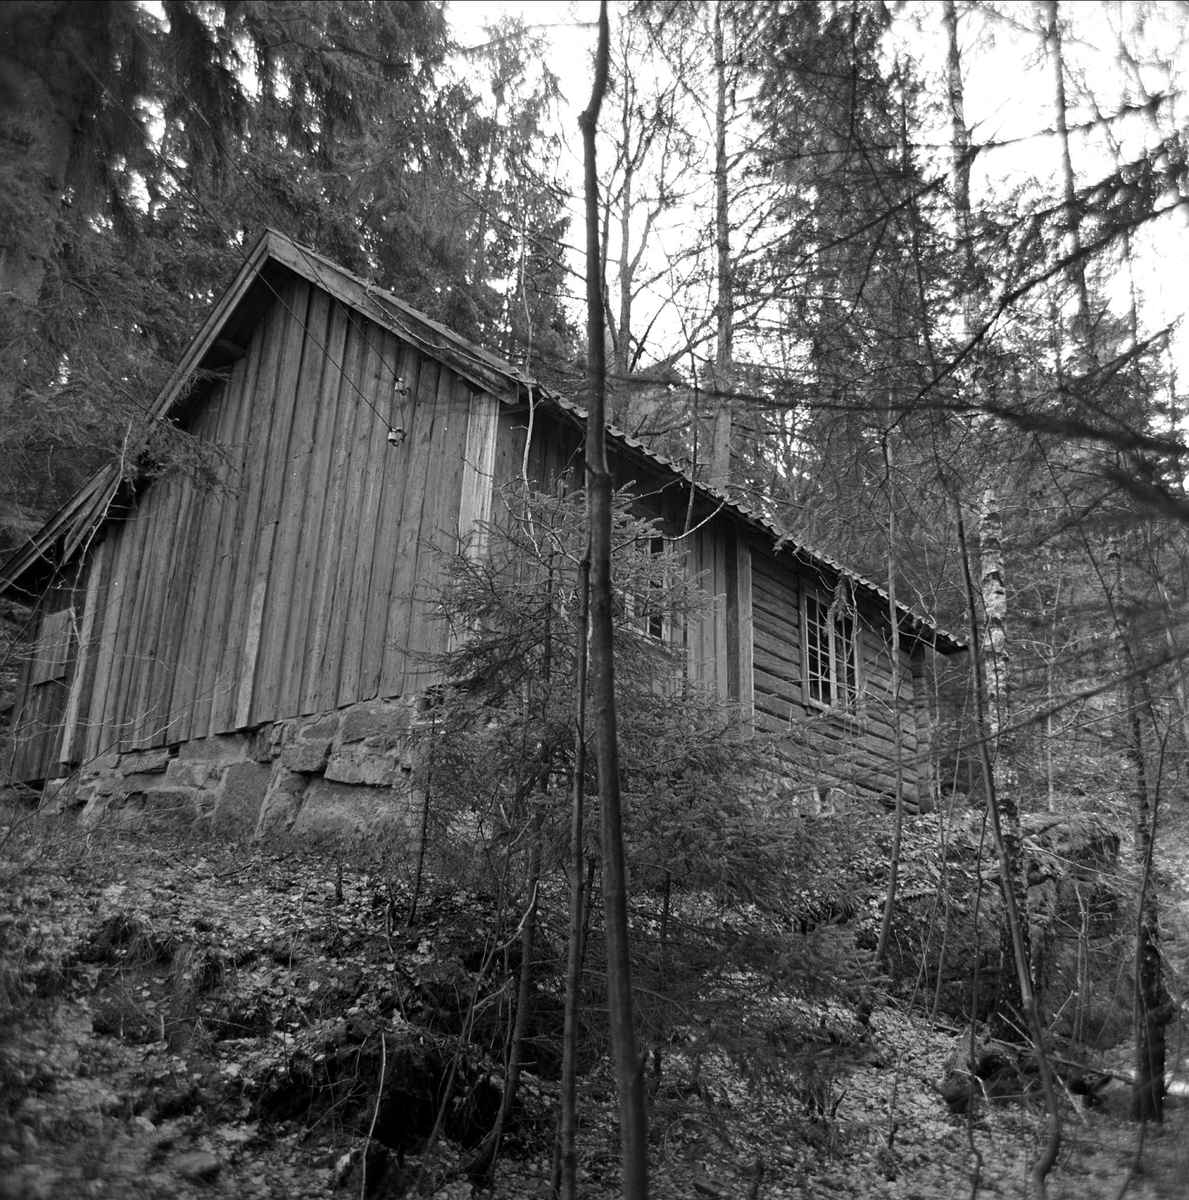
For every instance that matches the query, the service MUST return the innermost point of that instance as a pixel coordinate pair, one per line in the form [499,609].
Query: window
[831,649]
[648,606]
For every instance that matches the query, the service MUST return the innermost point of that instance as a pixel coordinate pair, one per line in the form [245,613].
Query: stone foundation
[341,776]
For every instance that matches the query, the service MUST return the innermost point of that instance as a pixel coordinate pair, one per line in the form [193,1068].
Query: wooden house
[252,649]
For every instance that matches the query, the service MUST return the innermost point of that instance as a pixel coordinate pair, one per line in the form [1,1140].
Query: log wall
[865,748]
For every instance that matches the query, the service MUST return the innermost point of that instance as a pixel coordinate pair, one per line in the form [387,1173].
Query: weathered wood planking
[224,528]
[398,388]
[125,649]
[298,666]
[407,486]
[361,432]
[329,597]
[284,590]
[192,546]
[99,731]
[83,678]
[373,440]
[194,613]
[476,493]
[159,718]
[438,532]
[426,425]
[236,582]
[40,719]
[252,671]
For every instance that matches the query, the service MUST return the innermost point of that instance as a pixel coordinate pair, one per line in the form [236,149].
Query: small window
[831,650]
[647,607]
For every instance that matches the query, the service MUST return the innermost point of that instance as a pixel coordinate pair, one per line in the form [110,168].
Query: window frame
[655,626]
[839,687]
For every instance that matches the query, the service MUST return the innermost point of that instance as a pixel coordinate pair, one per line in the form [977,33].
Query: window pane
[817,651]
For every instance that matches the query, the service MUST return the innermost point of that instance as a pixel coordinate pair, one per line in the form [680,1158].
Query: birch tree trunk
[1008,1020]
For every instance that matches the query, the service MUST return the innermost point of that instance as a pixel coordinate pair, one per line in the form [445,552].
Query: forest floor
[199,1020]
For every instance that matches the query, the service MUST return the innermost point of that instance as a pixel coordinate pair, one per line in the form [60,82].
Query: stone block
[267,741]
[377,762]
[341,813]
[238,803]
[381,719]
[324,727]
[60,796]
[145,762]
[107,784]
[282,802]
[121,814]
[229,747]
[137,783]
[167,808]
[194,773]
[306,756]
[101,764]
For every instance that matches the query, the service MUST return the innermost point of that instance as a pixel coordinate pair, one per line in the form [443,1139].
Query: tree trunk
[482,1163]
[1016,917]
[1153,1008]
[1073,243]
[1009,1020]
[628,1067]
[568,1124]
[889,909]
[42,105]
[720,452]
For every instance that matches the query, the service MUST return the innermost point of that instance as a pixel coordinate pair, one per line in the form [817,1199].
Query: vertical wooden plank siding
[162,550]
[428,633]
[18,760]
[320,681]
[276,468]
[375,440]
[280,589]
[398,390]
[360,431]
[922,720]
[83,657]
[478,475]
[740,664]
[188,614]
[298,668]
[437,531]
[236,582]
[192,614]
[398,669]
[707,642]
[137,528]
[209,631]
[98,569]
[157,716]
[717,532]
[509,450]
[39,722]
[100,731]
